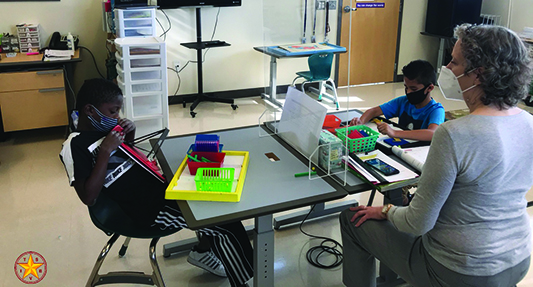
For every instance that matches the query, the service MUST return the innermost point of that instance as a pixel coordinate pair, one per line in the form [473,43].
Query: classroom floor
[40,212]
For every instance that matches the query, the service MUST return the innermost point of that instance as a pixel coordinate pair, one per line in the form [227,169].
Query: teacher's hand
[367,212]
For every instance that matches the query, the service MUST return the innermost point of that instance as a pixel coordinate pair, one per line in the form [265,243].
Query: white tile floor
[40,212]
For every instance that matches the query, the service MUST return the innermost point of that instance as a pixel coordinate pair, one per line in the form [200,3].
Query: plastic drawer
[147,106]
[146,126]
[140,75]
[136,14]
[135,23]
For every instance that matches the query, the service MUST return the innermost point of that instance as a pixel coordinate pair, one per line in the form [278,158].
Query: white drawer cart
[142,77]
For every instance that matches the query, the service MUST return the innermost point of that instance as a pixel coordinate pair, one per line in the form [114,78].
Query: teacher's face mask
[449,84]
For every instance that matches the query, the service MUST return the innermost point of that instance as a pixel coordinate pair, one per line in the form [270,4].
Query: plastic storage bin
[142,77]
[214,179]
[135,22]
[29,37]
[331,122]
[359,144]
[186,191]
[208,143]
[216,158]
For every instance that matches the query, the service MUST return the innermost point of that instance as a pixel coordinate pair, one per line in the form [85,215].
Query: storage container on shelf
[139,74]
[142,77]
[148,125]
[135,22]
[140,87]
[29,38]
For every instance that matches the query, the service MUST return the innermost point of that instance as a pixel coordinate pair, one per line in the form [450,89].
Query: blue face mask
[105,125]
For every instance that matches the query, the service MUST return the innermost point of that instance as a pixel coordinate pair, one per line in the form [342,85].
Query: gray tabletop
[269,187]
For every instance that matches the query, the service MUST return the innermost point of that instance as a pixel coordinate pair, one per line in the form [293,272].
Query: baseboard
[233,94]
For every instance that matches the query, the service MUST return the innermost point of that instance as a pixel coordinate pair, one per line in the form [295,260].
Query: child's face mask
[417,97]
[106,123]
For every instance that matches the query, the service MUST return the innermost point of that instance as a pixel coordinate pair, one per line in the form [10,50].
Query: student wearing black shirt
[93,166]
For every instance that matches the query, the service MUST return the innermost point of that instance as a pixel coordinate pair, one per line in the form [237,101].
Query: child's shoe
[207,261]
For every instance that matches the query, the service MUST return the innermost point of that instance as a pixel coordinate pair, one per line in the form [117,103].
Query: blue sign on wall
[370,5]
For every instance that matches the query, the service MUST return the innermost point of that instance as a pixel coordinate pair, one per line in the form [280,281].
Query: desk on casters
[275,52]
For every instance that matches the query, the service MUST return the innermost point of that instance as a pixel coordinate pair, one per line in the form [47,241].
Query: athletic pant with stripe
[229,242]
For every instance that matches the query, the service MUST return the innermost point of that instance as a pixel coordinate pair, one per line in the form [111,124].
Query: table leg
[263,251]
[271,96]
[187,244]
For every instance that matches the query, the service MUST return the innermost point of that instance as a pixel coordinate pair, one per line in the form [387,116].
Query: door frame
[341,13]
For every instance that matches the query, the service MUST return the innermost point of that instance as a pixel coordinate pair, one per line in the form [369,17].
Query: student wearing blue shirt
[416,111]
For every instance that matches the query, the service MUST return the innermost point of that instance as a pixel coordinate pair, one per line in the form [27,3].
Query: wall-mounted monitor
[171,4]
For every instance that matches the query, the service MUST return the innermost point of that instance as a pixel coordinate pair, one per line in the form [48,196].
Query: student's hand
[356,122]
[385,129]
[112,141]
[127,125]
[367,212]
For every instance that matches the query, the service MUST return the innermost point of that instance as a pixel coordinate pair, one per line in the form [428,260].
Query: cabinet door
[33,109]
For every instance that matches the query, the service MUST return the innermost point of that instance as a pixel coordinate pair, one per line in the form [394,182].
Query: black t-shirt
[138,193]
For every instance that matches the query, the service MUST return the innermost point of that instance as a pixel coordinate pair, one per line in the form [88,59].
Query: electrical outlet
[321,4]
[176,64]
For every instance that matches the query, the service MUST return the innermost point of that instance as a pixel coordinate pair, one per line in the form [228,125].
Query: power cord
[94,60]
[179,81]
[164,35]
[314,254]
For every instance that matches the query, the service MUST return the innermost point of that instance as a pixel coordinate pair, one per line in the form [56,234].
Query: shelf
[205,44]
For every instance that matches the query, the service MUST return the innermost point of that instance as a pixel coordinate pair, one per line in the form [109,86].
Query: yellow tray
[173,192]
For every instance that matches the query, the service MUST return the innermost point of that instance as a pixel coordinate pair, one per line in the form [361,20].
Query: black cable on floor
[94,60]
[314,253]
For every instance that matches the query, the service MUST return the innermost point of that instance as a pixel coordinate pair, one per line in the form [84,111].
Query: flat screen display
[170,4]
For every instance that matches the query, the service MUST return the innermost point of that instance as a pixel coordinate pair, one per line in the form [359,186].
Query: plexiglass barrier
[298,43]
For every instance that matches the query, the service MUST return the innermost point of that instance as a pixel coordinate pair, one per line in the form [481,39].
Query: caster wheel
[234,107]
[193,114]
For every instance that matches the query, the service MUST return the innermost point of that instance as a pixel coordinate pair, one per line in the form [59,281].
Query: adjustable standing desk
[275,52]
[269,187]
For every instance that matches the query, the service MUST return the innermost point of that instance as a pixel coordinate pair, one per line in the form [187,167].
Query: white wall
[496,7]
[255,23]
[414,45]
[521,15]
[81,17]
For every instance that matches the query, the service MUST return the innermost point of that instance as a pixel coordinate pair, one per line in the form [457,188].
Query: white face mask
[449,84]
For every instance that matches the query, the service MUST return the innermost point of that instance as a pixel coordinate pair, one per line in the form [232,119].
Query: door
[373,43]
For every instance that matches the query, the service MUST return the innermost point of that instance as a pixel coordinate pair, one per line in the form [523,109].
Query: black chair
[109,217]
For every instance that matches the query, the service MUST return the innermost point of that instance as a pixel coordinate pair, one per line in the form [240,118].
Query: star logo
[30,267]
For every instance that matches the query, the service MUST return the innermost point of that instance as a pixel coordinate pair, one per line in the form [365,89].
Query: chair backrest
[320,66]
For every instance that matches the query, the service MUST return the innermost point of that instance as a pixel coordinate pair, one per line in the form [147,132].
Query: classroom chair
[109,217]
[320,71]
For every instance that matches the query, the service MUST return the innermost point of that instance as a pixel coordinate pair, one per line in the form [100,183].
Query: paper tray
[182,178]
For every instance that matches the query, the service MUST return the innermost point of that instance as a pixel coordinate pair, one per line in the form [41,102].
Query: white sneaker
[207,261]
